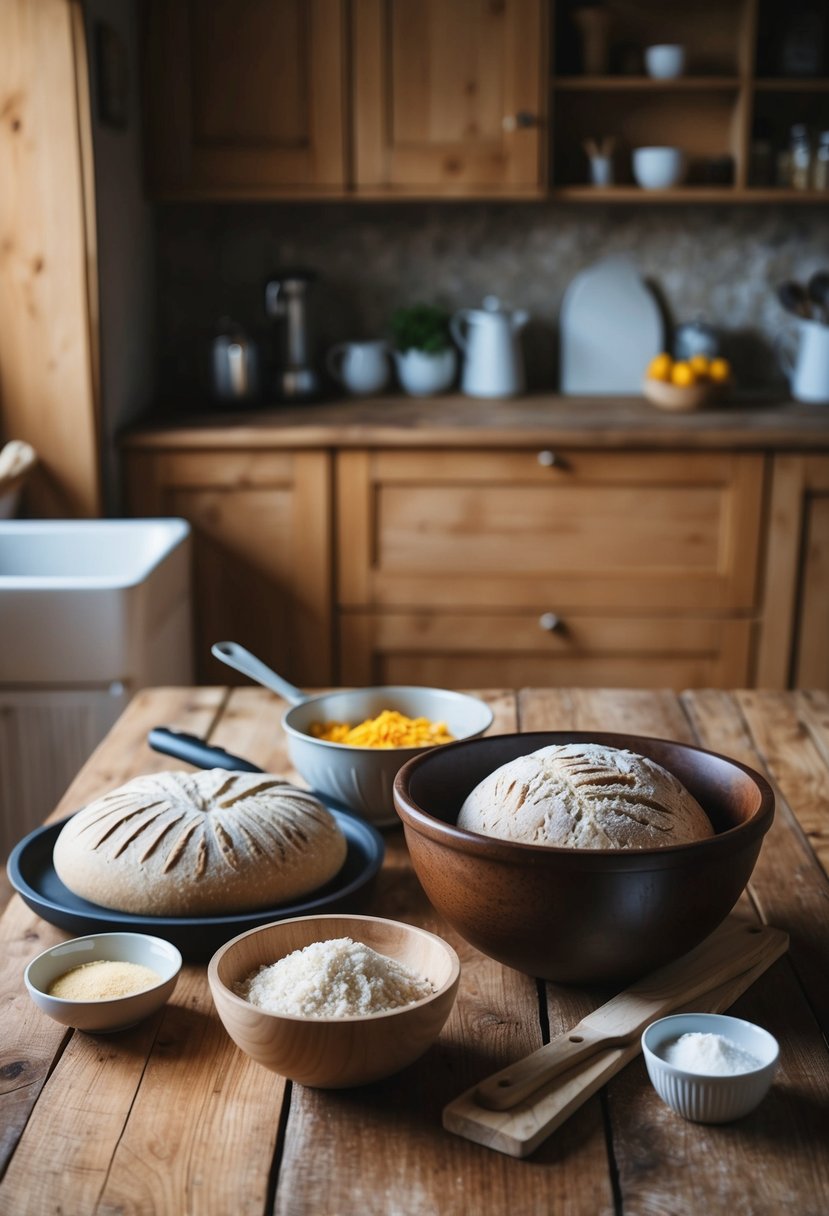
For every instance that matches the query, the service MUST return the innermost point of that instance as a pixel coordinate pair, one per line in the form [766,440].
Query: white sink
[88,602]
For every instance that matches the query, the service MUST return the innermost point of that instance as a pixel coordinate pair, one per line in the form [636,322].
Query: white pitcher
[361,367]
[808,371]
[489,338]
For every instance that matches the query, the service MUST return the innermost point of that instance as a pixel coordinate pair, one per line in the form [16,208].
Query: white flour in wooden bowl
[333,979]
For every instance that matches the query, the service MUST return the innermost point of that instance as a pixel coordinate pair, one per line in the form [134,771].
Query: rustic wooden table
[170,1119]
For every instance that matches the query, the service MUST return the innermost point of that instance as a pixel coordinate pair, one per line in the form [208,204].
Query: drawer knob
[547,459]
[549,621]
[521,121]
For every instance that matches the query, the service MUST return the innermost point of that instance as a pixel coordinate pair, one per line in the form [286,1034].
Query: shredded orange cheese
[388,729]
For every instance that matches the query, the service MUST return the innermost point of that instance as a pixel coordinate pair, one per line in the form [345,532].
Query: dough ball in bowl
[199,844]
[585,796]
[580,915]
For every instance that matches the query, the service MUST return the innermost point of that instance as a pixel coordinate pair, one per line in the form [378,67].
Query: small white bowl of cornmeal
[708,1067]
[104,982]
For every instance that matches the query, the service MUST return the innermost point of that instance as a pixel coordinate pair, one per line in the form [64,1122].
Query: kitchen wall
[125,237]
[720,262]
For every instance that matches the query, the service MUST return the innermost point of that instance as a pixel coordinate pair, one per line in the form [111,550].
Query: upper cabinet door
[450,96]
[245,98]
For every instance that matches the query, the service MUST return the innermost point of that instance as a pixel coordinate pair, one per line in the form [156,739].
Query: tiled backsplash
[722,263]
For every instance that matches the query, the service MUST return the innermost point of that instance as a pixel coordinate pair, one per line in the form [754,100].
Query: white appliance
[90,612]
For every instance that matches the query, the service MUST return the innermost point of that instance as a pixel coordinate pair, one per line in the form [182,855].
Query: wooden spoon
[732,948]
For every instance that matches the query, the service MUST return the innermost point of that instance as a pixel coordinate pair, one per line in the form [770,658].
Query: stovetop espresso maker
[287,301]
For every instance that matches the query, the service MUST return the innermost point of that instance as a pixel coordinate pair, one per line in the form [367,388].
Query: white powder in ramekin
[333,979]
[711,1054]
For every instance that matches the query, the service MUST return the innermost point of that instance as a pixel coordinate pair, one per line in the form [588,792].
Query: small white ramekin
[115,1013]
[698,1096]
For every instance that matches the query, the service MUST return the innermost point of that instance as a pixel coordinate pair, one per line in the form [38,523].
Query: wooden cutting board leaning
[517,1108]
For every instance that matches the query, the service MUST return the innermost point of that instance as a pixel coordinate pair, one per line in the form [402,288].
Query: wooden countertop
[169,1119]
[458,421]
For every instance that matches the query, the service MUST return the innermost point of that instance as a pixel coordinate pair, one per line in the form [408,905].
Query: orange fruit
[701,364]
[659,367]
[683,375]
[720,371]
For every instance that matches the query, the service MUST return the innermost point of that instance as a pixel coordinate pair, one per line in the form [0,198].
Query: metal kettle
[235,363]
[287,299]
[493,364]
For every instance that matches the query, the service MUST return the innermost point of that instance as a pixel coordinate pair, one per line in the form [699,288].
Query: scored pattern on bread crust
[228,822]
[585,796]
[581,772]
[192,843]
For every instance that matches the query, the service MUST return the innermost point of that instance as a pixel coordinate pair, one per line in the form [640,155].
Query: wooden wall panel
[48,272]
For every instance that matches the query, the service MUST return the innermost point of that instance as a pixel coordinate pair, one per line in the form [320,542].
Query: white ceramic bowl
[362,778]
[109,1015]
[698,1096]
[658,168]
[665,61]
[335,1052]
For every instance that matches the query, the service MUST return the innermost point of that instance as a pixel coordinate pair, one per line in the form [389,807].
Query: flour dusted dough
[205,843]
[585,796]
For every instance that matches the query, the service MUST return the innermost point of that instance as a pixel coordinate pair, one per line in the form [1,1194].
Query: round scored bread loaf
[199,844]
[585,796]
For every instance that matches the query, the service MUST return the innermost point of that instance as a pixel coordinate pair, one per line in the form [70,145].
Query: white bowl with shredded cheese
[360,775]
[708,1067]
[104,982]
[334,1001]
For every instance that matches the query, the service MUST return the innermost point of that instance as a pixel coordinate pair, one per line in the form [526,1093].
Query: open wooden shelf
[687,194]
[727,106]
[776,84]
[644,84]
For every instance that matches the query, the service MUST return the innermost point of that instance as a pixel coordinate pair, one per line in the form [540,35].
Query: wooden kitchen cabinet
[450,97]
[262,550]
[267,98]
[493,567]
[794,645]
[245,98]
[466,98]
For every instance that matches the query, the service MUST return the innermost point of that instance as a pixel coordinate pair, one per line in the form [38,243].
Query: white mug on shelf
[665,62]
[808,370]
[361,367]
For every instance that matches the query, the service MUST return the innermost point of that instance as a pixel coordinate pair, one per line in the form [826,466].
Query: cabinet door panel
[466,650]
[262,560]
[434,82]
[794,642]
[812,670]
[635,531]
[245,96]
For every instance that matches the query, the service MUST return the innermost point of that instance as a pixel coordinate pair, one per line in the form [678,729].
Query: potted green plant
[424,356]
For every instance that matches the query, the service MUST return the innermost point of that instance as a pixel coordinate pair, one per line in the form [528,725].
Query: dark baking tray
[32,874]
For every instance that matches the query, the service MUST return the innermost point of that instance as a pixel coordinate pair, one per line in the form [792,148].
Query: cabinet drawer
[471,650]
[673,531]
[261,550]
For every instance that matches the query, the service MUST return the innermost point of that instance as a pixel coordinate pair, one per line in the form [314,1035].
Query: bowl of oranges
[685,384]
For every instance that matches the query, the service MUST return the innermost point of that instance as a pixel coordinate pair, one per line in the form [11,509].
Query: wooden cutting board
[736,954]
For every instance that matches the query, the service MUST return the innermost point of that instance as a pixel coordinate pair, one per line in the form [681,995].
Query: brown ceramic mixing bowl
[581,916]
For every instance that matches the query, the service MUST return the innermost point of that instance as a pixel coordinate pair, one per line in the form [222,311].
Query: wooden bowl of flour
[335,1052]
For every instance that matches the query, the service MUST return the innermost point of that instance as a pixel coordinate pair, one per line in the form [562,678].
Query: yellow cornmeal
[103,980]
[388,729]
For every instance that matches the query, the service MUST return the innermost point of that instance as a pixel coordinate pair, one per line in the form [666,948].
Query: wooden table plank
[31,1042]
[667,1165]
[170,1119]
[406,1162]
[788,885]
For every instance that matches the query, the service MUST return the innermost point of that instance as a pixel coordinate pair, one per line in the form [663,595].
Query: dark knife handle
[193,750]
